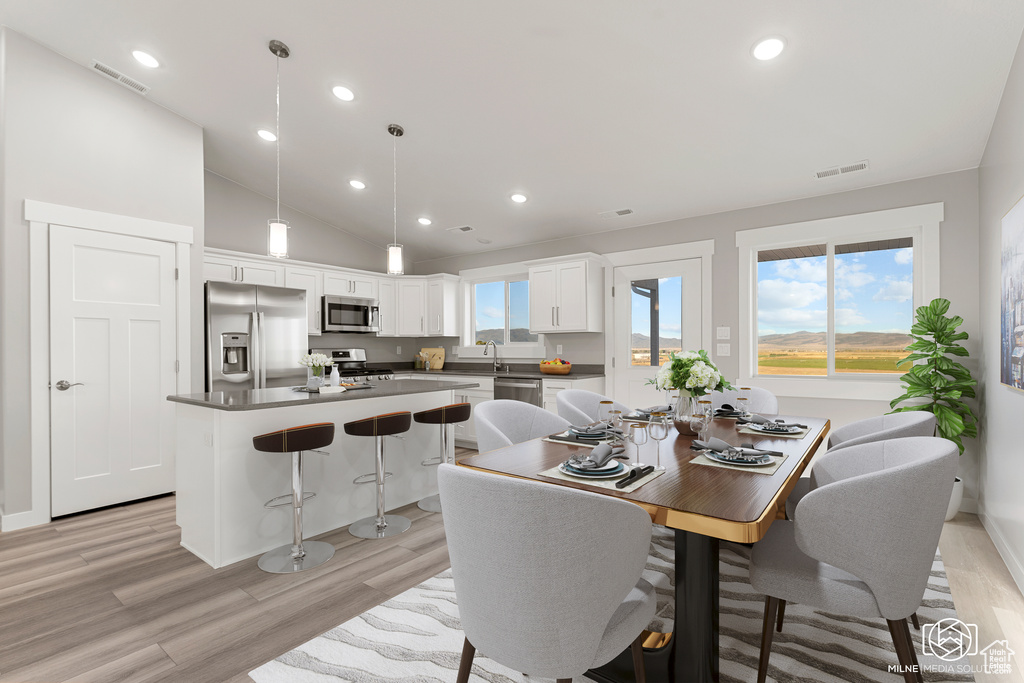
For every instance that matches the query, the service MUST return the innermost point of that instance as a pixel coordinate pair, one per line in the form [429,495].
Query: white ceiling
[585,106]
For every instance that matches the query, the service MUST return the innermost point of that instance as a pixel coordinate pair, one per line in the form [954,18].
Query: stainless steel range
[352,365]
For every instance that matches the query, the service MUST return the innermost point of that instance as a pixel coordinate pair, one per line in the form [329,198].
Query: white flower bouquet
[690,371]
[315,362]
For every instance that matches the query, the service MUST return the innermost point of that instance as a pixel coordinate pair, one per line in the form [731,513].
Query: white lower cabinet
[553,386]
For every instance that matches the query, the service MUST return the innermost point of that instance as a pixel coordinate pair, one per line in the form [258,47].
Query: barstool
[378,427]
[298,556]
[444,416]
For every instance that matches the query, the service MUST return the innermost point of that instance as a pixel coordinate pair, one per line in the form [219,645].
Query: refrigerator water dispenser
[234,353]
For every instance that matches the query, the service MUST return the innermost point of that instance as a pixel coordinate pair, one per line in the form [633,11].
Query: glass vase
[686,408]
[314,379]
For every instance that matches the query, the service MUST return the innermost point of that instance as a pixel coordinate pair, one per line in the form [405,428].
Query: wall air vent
[115,75]
[615,214]
[837,171]
[464,228]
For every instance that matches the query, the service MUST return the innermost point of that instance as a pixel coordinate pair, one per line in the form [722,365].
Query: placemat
[553,473]
[767,469]
[585,444]
[794,435]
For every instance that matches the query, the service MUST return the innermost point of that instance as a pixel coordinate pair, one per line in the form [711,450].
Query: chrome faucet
[497,363]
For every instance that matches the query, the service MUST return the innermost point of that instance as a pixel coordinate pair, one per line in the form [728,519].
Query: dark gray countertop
[521,374]
[260,399]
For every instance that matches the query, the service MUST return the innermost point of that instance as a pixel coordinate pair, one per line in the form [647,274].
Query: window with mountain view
[872,296]
[656,307]
[501,312]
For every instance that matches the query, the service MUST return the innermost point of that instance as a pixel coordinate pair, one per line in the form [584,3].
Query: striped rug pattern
[415,637]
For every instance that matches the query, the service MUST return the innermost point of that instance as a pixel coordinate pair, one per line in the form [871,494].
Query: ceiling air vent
[615,214]
[837,171]
[115,75]
[464,228]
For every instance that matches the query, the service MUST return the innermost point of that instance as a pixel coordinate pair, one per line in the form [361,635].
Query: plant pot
[685,408]
[955,499]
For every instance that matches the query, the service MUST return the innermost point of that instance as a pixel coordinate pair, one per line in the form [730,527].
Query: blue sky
[670,309]
[874,293]
[490,304]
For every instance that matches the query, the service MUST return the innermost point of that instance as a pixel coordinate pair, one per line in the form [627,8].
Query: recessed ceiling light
[483,240]
[266,135]
[145,59]
[425,221]
[358,184]
[769,48]
[343,93]
[518,198]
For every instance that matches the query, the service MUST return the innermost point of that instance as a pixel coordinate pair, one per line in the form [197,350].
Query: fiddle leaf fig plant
[939,383]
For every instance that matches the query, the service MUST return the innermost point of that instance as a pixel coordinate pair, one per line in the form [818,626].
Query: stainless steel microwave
[347,314]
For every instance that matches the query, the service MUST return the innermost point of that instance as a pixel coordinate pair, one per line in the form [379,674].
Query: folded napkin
[596,429]
[724,449]
[762,420]
[598,457]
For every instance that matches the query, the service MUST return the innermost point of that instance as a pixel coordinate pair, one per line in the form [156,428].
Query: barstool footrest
[431,462]
[370,478]
[287,500]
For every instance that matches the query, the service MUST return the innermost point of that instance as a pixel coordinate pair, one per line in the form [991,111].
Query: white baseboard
[22,520]
[1013,563]
[969,505]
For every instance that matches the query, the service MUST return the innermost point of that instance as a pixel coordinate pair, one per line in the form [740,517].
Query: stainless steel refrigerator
[255,335]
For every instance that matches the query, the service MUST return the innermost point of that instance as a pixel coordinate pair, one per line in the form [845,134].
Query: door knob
[64,385]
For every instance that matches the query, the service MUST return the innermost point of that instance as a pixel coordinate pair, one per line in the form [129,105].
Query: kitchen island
[223,482]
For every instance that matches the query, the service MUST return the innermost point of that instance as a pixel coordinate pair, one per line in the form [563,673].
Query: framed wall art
[1011,354]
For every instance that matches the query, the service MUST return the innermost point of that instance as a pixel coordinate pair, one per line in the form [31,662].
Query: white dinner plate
[711,455]
[610,475]
[776,430]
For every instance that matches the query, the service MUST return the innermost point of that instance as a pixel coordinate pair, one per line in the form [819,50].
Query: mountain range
[801,340]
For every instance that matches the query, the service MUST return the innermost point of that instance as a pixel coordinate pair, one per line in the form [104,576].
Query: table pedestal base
[691,656]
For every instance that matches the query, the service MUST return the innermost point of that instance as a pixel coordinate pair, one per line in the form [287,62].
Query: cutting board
[436,357]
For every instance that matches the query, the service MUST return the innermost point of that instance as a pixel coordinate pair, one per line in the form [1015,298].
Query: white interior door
[657,311]
[112,338]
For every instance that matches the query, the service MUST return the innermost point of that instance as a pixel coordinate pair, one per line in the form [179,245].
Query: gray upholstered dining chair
[880,428]
[861,543]
[547,578]
[760,400]
[503,423]
[580,407]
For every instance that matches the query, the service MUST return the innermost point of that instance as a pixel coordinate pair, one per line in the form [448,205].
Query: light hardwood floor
[110,596]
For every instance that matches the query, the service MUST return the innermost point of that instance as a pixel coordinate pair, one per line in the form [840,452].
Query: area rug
[415,637]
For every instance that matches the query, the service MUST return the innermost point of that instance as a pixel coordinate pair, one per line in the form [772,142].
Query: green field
[785,362]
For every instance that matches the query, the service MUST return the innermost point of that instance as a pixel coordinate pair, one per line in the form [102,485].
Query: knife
[634,474]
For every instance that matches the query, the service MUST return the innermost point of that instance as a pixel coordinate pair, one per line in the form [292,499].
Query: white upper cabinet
[227,269]
[411,309]
[388,308]
[350,284]
[442,306]
[312,281]
[566,296]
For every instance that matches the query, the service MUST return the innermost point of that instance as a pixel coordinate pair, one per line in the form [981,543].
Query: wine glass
[615,420]
[638,437]
[603,410]
[704,413]
[657,429]
[743,406]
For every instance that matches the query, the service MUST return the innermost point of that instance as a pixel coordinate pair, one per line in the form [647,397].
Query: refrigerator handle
[263,352]
[255,351]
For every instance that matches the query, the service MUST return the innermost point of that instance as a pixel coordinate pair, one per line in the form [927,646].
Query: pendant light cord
[278,130]
[394,167]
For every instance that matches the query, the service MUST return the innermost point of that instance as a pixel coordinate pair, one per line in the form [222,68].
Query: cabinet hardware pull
[242,269]
[558,315]
[552,316]
[438,322]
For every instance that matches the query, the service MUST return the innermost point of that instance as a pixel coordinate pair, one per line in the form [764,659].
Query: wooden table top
[729,504]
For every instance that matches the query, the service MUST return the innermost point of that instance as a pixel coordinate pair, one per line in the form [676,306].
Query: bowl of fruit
[555,367]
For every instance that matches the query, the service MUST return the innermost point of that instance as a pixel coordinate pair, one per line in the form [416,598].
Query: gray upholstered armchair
[760,400]
[580,407]
[547,578]
[863,541]
[503,423]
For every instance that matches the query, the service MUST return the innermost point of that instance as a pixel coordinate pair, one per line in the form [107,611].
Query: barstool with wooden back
[379,426]
[444,416]
[297,556]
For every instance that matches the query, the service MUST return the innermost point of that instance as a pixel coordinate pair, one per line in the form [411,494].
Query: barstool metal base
[430,503]
[367,527]
[280,560]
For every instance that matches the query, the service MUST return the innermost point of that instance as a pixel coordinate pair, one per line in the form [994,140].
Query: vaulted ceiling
[584,106]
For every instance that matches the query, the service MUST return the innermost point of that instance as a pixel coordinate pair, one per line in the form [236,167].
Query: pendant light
[277,229]
[395,266]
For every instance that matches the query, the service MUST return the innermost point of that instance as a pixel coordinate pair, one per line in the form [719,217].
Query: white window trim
[511,272]
[921,223]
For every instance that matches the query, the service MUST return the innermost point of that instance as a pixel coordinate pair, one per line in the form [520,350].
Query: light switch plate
[724,349]
[724,332]
[558,349]
[455,350]
[398,350]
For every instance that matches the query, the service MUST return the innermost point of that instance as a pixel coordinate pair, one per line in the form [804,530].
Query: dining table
[704,505]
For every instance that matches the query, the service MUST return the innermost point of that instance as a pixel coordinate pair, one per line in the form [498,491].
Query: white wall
[71,137]
[959,265]
[1001,185]
[236,219]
